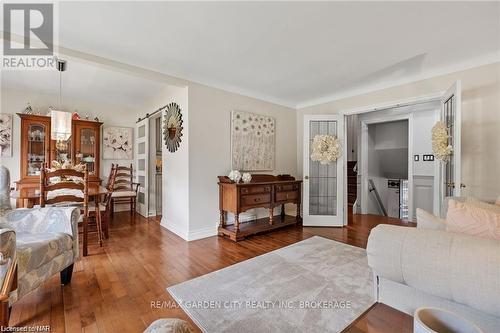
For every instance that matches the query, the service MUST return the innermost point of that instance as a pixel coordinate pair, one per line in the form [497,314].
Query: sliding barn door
[142,163]
[323,201]
[451,181]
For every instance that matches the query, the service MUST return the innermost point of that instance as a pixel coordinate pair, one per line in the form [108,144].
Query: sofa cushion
[35,250]
[426,220]
[473,218]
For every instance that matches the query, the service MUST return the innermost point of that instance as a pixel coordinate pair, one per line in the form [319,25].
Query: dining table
[31,196]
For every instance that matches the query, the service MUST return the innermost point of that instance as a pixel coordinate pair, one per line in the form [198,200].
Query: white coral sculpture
[326,149]
[440,147]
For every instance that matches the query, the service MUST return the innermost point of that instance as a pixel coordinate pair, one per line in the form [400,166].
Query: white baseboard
[202,233]
[175,228]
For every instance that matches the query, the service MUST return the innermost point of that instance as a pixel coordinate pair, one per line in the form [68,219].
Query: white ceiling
[85,82]
[291,53]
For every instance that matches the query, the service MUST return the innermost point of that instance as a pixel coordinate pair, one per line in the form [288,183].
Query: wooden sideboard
[264,191]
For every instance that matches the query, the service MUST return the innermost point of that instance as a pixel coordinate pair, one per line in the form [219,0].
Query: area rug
[316,285]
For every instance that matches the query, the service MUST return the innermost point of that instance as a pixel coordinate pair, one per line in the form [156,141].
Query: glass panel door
[450,173]
[142,166]
[322,177]
[323,192]
[36,148]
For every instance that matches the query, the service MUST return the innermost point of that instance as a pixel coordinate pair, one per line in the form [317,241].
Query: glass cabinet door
[88,149]
[36,148]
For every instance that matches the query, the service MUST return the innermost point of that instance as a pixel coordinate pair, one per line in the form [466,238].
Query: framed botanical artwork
[117,143]
[6,134]
[252,141]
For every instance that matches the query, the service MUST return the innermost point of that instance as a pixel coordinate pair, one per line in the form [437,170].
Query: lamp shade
[60,125]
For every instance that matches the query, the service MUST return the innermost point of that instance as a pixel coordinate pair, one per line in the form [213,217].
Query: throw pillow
[471,219]
[426,220]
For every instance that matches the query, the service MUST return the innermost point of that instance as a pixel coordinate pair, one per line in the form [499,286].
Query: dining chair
[69,187]
[105,205]
[124,188]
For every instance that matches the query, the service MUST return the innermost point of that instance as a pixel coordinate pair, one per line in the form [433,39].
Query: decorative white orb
[247,177]
[235,176]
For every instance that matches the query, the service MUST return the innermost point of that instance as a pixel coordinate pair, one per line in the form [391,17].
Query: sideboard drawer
[287,187]
[285,196]
[255,189]
[255,199]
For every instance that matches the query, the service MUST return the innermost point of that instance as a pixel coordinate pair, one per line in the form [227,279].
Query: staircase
[352,185]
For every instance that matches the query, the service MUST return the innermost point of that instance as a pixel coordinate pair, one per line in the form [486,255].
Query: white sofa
[417,267]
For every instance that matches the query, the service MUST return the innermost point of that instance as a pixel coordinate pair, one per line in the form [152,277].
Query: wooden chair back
[110,187]
[123,178]
[111,173]
[65,175]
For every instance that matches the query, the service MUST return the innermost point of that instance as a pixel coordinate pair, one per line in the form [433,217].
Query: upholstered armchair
[43,241]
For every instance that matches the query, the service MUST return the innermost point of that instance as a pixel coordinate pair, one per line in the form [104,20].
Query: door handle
[452,184]
[306,177]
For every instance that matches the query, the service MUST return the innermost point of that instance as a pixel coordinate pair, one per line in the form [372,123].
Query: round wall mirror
[172,127]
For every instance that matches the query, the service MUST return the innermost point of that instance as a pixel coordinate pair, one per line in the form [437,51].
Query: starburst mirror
[172,127]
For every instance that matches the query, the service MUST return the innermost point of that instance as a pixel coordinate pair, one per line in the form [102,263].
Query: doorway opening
[387,147]
[390,169]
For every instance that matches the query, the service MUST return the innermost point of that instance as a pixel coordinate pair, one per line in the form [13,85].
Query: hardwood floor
[121,286]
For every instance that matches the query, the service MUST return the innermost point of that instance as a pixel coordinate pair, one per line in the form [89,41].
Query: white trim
[202,233]
[488,59]
[173,227]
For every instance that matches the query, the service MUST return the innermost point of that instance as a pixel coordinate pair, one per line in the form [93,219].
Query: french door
[142,165]
[323,201]
[451,180]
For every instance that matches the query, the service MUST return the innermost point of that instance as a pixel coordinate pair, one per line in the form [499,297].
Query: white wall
[210,151]
[175,173]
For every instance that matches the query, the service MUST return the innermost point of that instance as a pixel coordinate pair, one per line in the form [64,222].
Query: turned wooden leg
[271,215]
[66,275]
[236,224]
[85,235]
[222,222]
[283,211]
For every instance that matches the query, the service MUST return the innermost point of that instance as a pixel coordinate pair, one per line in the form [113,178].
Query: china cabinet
[37,148]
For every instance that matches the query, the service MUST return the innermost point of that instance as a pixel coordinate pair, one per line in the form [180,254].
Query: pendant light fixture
[60,121]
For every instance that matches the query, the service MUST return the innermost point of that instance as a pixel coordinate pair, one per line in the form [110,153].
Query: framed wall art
[5,135]
[117,143]
[252,141]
